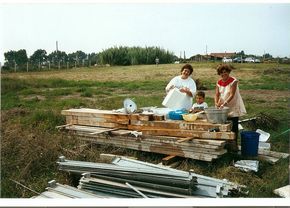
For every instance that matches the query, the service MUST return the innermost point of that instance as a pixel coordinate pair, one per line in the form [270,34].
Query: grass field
[31,104]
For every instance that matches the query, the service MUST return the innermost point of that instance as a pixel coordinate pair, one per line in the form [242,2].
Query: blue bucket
[249,143]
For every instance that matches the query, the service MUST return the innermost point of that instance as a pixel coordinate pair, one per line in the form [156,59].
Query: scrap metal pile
[150,132]
[129,178]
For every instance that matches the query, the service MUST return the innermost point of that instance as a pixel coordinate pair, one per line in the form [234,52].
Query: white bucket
[176,100]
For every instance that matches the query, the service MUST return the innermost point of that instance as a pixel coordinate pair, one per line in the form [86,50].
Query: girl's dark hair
[224,67]
[187,66]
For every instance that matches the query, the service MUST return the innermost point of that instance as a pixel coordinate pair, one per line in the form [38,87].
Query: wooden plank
[140,117]
[273,153]
[132,141]
[92,112]
[269,159]
[89,129]
[121,132]
[173,124]
[129,143]
[99,119]
[184,139]
[195,140]
[168,159]
[63,126]
[185,144]
[95,123]
[197,156]
[189,133]
[102,131]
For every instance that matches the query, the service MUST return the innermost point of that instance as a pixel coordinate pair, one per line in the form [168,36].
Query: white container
[176,100]
[264,136]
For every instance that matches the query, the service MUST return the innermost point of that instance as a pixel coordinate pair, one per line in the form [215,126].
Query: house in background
[212,56]
[220,56]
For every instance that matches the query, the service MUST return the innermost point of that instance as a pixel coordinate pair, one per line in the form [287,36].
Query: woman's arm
[232,93]
[217,96]
[187,91]
[170,85]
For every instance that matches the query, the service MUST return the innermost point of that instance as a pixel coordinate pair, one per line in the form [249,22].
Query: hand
[184,89]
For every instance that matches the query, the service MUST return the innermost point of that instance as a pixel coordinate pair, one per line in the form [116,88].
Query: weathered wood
[141,117]
[102,131]
[168,159]
[205,143]
[63,126]
[187,144]
[195,140]
[197,156]
[273,153]
[95,123]
[98,119]
[189,133]
[121,132]
[174,124]
[269,159]
[132,141]
[184,139]
[91,112]
[86,128]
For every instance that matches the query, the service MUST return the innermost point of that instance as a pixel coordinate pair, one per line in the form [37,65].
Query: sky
[190,27]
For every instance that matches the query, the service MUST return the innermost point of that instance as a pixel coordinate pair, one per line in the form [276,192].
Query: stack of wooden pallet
[150,133]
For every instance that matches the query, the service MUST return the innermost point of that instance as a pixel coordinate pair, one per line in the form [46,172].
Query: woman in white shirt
[184,83]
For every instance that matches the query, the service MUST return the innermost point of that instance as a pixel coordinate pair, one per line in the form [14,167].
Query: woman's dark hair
[224,67]
[187,66]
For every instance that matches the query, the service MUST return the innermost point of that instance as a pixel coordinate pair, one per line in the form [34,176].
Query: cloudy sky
[193,27]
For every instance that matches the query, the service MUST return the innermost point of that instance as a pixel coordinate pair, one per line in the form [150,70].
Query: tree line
[18,60]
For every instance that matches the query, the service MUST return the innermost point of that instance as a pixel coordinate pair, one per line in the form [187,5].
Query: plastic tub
[216,115]
[176,115]
[249,143]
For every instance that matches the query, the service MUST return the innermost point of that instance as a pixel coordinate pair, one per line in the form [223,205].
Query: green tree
[16,58]
[38,57]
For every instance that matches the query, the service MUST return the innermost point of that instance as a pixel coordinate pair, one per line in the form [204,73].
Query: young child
[200,105]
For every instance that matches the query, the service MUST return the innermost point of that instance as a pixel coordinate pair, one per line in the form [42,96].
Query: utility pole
[264,56]
[205,49]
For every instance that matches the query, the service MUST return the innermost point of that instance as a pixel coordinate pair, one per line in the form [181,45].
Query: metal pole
[139,192]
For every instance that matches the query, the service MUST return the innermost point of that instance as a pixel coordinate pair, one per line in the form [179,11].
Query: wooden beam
[169,159]
[184,139]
